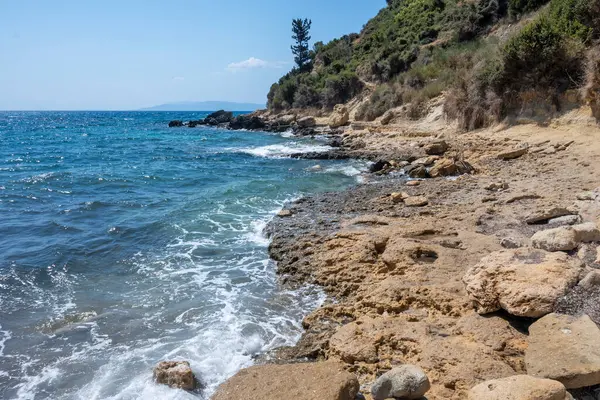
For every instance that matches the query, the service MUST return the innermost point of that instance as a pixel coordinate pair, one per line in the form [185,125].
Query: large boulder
[249,122]
[339,117]
[219,117]
[176,374]
[306,122]
[519,387]
[304,381]
[566,349]
[407,382]
[524,282]
[437,148]
[566,238]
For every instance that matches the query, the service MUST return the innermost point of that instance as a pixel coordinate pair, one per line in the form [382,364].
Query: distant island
[205,106]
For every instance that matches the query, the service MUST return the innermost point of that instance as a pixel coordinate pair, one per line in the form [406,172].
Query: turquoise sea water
[124,243]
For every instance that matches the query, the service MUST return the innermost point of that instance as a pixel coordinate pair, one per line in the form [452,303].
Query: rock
[249,122]
[387,117]
[524,282]
[175,124]
[416,201]
[379,166]
[497,186]
[566,238]
[557,239]
[303,381]
[426,161]
[436,148]
[286,120]
[587,233]
[399,197]
[306,122]
[591,280]
[519,387]
[339,117]
[513,153]
[545,215]
[564,348]
[510,243]
[448,167]
[587,196]
[406,382]
[413,183]
[566,220]
[284,213]
[219,117]
[416,171]
[176,374]
[193,124]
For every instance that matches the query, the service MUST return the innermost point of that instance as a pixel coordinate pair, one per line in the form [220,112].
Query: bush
[520,7]
[383,98]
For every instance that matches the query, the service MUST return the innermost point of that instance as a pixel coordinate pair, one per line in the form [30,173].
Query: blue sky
[128,54]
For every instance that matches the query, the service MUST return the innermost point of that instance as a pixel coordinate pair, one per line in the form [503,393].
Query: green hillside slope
[414,50]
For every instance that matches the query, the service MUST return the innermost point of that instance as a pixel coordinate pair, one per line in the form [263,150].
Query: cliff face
[489,58]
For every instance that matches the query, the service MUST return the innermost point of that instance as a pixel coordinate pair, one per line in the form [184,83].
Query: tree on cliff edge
[301,30]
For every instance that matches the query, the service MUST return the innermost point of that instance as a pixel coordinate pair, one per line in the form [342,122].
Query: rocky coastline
[458,265]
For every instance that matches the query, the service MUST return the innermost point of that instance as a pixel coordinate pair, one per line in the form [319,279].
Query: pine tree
[301,30]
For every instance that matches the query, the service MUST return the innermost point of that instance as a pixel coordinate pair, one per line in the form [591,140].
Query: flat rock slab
[524,282]
[511,154]
[306,381]
[520,387]
[566,349]
[548,214]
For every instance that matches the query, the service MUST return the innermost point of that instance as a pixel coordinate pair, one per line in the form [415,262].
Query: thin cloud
[178,78]
[254,63]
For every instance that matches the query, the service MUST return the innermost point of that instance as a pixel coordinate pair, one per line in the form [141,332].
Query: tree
[301,30]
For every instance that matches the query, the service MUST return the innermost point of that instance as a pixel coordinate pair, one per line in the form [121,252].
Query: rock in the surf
[175,124]
[175,374]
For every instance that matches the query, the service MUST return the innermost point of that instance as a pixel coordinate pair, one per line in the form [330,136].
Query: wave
[283,150]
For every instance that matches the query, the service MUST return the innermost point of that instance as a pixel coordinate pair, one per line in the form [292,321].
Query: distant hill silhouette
[205,106]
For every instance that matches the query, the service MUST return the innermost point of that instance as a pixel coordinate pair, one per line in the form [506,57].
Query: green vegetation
[301,30]
[415,50]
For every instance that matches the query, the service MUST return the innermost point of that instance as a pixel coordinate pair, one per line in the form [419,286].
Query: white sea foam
[281,150]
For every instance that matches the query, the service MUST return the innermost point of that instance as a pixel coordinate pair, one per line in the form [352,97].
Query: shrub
[383,98]
[519,7]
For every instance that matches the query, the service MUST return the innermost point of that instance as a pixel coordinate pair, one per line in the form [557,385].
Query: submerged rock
[176,374]
[524,282]
[520,387]
[406,382]
[303,381]
[565,349]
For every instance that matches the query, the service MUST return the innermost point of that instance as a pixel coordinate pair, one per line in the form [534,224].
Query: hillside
[490,59]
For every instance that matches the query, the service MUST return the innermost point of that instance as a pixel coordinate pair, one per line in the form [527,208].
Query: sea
[124,243]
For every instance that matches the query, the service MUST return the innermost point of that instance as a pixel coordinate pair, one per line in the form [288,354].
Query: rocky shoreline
[464,256]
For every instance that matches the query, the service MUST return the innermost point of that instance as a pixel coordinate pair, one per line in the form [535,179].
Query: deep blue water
[124,243]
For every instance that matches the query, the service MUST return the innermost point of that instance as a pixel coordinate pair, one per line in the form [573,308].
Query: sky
[129,54]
